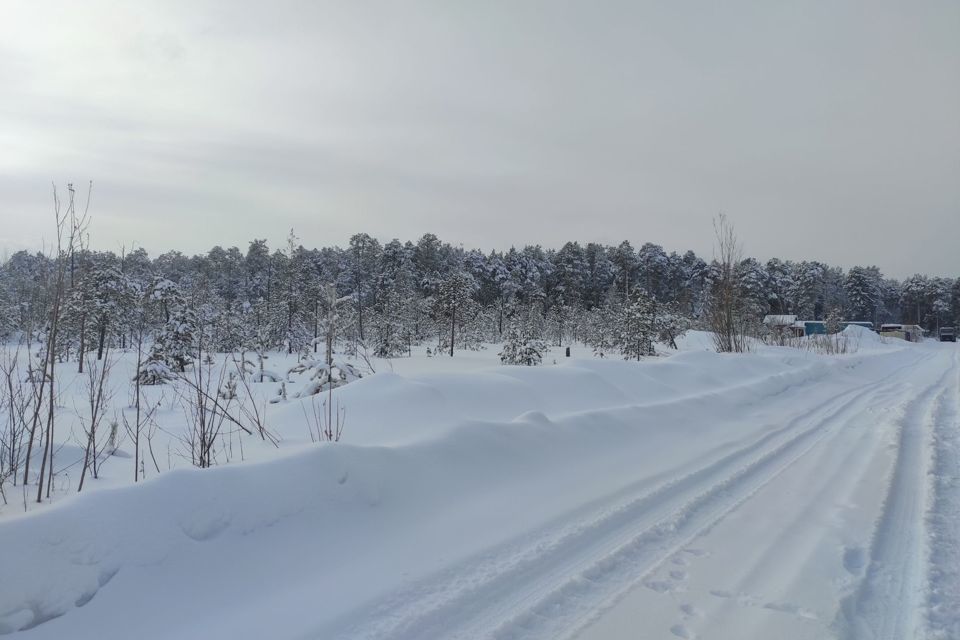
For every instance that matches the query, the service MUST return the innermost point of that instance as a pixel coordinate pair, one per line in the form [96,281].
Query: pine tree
[601,329]
[453,294]
[391,333]
[174,340]
[862,286]
[670,324]
[522,347]
[833,321]
[637,328]
[626,266]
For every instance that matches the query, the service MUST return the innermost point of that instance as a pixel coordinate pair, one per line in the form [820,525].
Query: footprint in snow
[742,599]
[660,586]
[854,559]
[204,526]
[797,610]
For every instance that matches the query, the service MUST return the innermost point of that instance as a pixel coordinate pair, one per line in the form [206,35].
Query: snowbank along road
[773,495]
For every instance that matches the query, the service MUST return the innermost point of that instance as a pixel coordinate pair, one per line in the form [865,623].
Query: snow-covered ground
[778,494]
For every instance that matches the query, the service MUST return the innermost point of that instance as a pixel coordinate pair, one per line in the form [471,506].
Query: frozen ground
[779,494]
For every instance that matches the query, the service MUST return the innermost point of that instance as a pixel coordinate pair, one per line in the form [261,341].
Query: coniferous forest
[391,296]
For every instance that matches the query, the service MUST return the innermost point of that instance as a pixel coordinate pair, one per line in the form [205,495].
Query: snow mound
[864,335]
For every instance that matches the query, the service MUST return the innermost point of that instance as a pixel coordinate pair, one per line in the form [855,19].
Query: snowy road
[850,520]
[772,496]
[763,542]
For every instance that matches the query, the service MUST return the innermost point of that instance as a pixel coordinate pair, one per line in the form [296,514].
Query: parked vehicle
[948,334]
[908,332]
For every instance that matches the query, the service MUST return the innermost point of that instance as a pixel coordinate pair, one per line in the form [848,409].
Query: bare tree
[70,228]
[140,417]
[37,385]
[16,403]
[726,313]
[98,396]
[143,418]
[205,415]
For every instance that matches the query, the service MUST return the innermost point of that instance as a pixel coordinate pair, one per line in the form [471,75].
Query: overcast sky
[826,130]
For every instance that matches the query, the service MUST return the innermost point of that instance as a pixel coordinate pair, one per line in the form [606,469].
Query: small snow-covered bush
[266,375]
[229,389]
[322,378]
[521,348]
[155,370]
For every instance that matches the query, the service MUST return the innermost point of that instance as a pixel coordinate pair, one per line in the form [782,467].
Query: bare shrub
[211,413]
[204,413]
[727,315]
[98,395]
[18,400]
[324,423]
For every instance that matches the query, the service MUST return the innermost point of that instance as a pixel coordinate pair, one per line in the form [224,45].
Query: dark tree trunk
[83,340]
[102,338]
[453,325]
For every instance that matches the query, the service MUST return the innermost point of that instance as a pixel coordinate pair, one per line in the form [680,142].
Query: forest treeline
[405,293]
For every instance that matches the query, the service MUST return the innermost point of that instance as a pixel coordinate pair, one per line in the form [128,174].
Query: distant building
[908,332]
[811,327]
[802,328]
[782,325]
[779,321]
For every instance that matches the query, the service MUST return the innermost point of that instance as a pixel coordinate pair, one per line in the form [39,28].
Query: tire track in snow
[943,589]
[780,560]
[888,602]
[547,588]
[566,610]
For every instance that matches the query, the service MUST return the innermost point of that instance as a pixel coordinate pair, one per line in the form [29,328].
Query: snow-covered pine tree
[916,297]
[177,338]
[832,323]
[652,272]
[391,334]
[670,324]
[452,295]
[862,286]
[475,323]
[521,347]
[154,368]
[626,265]
[939,293]
[600,329]
[805,290]
[637,327]
[174,341]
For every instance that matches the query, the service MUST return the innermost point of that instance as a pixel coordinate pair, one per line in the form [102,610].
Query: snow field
[595,499]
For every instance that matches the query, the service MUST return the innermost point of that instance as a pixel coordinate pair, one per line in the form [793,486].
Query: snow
[776,494]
